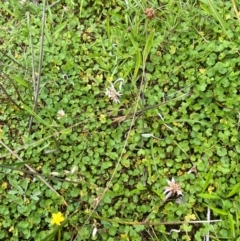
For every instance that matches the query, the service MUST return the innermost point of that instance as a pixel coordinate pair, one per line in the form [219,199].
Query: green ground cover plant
[119,120]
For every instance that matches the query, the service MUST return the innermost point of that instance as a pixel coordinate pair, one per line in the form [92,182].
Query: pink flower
[112,94]
[172,189]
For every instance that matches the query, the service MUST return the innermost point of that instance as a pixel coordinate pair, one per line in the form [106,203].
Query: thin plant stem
[236,10]
[144,80]
[32,53]
[14,86]
[53,4]
[9,97]
[59,235]
[8,166]
[147,223]
[209,219]
[12,59]
[36,92]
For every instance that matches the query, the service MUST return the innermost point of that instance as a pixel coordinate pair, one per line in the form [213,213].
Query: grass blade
[231,225]
[211,8]
[208,196]
[208,179]
[32,113]
[218,211]
[148,46]
[235,189]
[37,88]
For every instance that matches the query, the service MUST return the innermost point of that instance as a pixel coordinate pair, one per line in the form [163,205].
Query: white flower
[60,114]
[112,94]
[172,189]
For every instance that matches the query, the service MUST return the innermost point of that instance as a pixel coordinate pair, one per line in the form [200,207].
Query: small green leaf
[172,49]
[137,64]
[15,184]
[136,191]
[60,28]
[235,189]
[231,224]
[9,165]
[218,211]
[148,46]
[208,196]
[66,131]
[159,193]
[208,179]
[20,81]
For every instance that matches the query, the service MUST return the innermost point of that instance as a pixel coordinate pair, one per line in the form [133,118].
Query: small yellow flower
[57,218]
[186,237]
[210,189]
[99,77]
[110,78]
[102,118]
[125,237]
[11,229]
[190,217]
[4,185]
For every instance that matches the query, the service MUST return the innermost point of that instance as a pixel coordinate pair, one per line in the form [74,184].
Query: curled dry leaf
[193,170]
[119,119]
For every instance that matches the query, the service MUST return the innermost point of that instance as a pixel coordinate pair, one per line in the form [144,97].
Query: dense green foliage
[178,74]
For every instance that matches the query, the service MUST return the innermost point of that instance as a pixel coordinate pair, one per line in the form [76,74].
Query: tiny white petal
[55,173]
[94,232]
[73,169]
[175,230]
[168,195]
[147,135]
[169,182]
